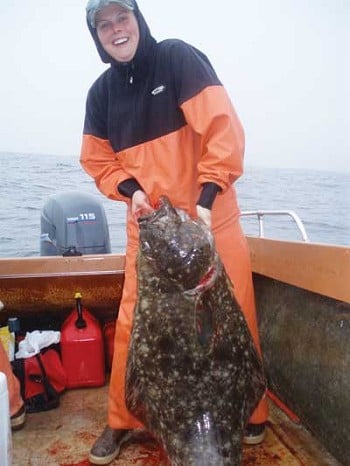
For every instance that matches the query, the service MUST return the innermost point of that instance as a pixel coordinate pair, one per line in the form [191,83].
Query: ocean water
[321,199]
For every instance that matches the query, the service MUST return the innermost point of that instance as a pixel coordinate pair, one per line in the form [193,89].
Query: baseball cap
[93,6]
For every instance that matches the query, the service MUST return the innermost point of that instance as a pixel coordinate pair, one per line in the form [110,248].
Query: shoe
[254,434]
[18,419]
[107,446]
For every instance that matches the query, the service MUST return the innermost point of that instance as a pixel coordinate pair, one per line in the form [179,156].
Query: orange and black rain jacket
[165,123]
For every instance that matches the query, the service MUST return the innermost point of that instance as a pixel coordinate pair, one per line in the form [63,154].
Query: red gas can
[82,348]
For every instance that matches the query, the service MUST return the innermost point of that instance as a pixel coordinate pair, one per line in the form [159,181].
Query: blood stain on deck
[57,447]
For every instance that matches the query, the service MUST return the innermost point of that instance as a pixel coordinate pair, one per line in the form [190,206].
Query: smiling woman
[118,32]
[159,122]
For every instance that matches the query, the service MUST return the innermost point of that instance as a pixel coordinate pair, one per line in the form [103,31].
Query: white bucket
[5,425]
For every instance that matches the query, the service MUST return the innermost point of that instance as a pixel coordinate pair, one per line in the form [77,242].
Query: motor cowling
[74,223]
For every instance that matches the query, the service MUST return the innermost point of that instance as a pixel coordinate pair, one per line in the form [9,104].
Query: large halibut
[193,374]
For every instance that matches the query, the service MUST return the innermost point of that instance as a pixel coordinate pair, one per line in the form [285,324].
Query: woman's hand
[140,204]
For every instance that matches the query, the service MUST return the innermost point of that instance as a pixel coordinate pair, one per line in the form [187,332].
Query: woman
[158,121]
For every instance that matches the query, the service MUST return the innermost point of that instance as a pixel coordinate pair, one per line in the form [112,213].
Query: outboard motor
[73,223]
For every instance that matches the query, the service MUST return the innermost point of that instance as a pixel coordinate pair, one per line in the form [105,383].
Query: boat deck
[63,437]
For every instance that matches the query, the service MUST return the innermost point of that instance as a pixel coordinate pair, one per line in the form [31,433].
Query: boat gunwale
[46,266]
[316,267]
[63,274]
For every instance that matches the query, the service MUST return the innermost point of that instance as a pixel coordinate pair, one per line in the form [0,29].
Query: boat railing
[260,214]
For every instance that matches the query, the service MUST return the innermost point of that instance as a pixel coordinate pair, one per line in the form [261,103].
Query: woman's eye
[122,18]
[102,26]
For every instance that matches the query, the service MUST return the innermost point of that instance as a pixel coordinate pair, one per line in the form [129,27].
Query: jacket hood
[145,45]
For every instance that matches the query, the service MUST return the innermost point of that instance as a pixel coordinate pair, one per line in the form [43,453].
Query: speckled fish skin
[193,374]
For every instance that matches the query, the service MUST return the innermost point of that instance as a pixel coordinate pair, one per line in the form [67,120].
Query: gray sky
[285,64]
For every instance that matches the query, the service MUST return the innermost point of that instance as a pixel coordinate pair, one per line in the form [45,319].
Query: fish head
[178,248]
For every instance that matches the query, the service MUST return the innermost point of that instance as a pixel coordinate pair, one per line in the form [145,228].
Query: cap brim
[92,13]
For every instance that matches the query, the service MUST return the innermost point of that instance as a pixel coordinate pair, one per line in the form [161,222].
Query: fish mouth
[147,217]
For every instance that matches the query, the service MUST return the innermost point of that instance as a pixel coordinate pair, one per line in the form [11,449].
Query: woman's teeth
[120,41]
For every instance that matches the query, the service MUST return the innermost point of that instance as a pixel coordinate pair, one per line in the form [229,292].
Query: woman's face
[118,32]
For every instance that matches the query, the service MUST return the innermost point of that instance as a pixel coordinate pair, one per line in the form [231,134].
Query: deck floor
[63,437]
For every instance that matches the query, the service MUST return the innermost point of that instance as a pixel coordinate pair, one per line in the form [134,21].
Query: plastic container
[5,425]
[82,348]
